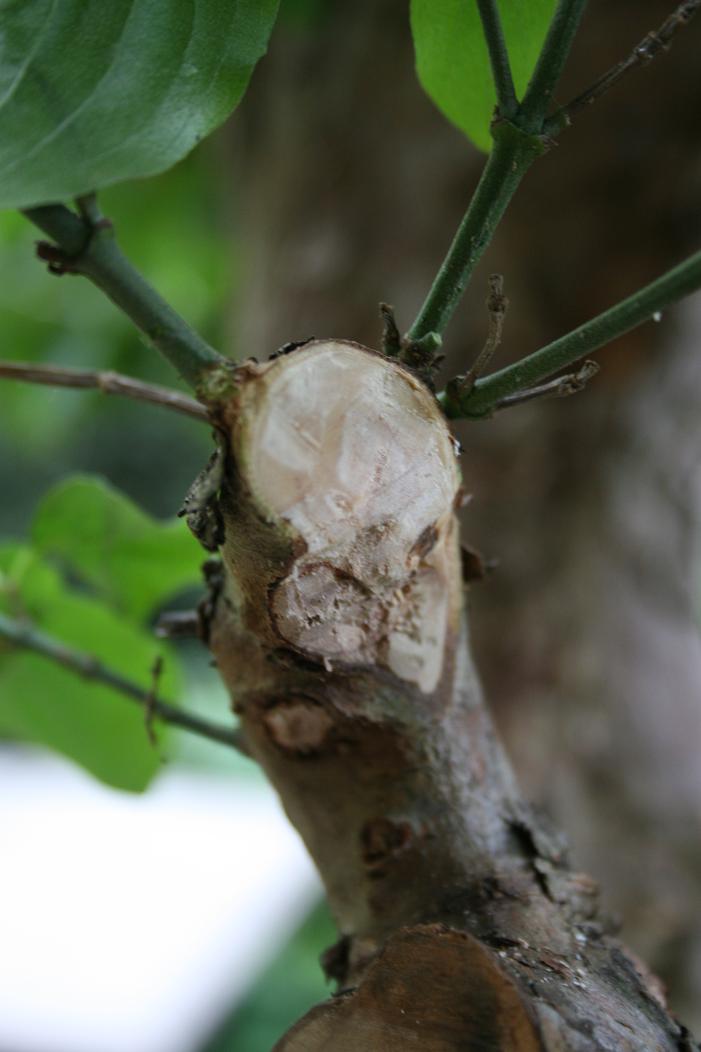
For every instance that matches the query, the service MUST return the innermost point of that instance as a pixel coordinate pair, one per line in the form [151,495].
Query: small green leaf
[95,92]
[42,702]
[452,60]
[133,561]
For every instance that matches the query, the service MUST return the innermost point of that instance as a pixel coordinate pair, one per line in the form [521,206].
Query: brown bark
[461,923]
[587,633]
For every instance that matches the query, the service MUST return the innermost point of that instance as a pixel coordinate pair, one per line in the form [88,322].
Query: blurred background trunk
[587,635]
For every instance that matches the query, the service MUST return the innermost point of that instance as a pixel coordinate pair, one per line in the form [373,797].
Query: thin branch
[517,143]
[23,635]
[648,48]
[562,387]
[85,245]
[644,305]
[497,306]
[105,381]
[557,46]
[423,356]
[510,159]
[459,388]
[507,102]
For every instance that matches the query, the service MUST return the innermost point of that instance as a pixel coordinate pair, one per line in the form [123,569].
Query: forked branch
[518,140]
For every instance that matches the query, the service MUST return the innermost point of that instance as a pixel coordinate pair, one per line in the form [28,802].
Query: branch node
[421,357]
[61,261]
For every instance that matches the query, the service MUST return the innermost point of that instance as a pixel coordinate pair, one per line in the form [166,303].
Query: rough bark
[587,634]
[338,627]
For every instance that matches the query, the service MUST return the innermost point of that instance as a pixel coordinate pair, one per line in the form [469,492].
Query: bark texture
[338,627]
[587,634]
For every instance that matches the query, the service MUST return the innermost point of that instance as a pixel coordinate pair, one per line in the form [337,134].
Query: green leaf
[44,703]
[95,92]
[26,583]
[452,60]
[133,561]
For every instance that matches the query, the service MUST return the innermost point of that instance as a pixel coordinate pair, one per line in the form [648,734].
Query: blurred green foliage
[131,560]
[290,986]
[98,569]
[44,703]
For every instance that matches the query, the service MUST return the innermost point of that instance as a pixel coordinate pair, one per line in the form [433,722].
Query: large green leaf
[452,60]
[132,560]
[44,703]
[93,92]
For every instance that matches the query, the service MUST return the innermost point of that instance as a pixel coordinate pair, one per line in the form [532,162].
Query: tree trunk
[338,628]
[587,622]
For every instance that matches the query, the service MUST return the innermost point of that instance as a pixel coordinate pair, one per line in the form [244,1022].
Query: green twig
[507,102]
[84,246]
[642,306]
[27,637]
[105,381]
[518,140]
[510,159]
[558,42]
